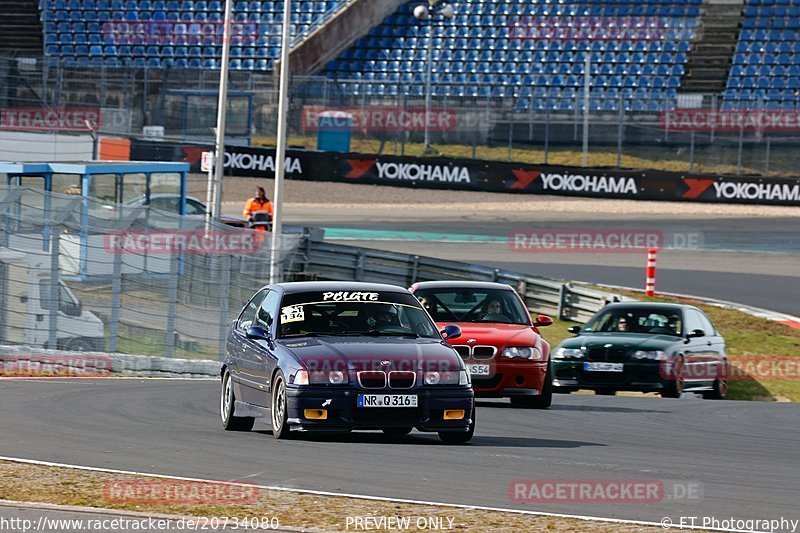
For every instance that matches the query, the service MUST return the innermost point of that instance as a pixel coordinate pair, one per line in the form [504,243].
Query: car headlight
[653,355]
[569,353]
[523,352]
[334,377]
[460,377]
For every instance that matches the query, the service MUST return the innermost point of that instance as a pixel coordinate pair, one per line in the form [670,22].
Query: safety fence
[697,133]
[80,274]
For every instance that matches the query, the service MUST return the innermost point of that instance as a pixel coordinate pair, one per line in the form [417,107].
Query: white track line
[356,496]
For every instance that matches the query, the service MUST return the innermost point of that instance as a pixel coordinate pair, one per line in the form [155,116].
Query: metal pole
[222,112]
[280,155]
[766,160]
[55,293]
[510,136]
[172,301]
[210,191]
[739,155]
[691,153]
[620,130]
[587,80]
[546,135]
[116,302]
[428,82]
[224,303]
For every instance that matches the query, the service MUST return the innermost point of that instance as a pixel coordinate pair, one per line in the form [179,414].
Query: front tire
[278,410]
[459,437]
[226,408]
[674,387]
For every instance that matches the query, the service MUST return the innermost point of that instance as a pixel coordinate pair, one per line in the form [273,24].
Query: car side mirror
[696,333]
[257,333]
[451,331]
[576,329]
[542,321]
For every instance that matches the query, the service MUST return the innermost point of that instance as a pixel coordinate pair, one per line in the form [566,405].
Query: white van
[25,310]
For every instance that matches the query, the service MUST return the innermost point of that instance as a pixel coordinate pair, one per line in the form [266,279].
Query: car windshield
[657,321]
[343,313]
[474,305]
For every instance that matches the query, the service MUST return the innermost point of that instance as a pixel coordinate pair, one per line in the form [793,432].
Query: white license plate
[478,370]
[603,367]
[387,400]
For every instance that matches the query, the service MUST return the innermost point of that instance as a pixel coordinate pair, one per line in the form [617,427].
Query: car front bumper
[343,414]
[509,378]
[635,376]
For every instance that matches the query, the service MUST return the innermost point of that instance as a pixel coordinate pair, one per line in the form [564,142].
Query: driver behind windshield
[494,311]
[385,316]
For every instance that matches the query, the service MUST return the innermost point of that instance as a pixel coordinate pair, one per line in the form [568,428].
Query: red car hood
[494,334]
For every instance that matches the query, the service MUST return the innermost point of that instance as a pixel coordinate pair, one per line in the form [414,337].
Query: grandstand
[640,54]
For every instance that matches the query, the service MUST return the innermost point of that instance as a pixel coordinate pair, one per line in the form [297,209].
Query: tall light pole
[214,192]
[280,152]
[428,12]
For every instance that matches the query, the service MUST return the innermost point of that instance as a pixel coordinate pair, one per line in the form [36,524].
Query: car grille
[603,378]
[372,379]
[613,355]
[401,380]
[483,352]
[378,379]
[462,350]
[375,417]
[478,352]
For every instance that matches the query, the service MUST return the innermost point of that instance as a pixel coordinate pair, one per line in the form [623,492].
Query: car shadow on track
[422,439]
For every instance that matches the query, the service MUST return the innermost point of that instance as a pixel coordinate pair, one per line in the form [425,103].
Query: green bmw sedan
[647,347]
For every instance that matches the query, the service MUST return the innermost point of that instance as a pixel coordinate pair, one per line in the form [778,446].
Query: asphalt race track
[749,261]
[744,456]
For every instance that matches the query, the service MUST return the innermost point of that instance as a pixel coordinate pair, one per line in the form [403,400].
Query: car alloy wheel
[675,385]
[280,426]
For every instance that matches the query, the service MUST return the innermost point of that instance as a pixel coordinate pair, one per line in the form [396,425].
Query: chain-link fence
[79,274]
[528,124]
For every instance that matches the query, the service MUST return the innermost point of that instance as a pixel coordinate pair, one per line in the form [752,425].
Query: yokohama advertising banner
[470,174]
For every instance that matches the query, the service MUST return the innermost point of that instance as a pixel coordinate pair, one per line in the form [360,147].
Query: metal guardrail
[331,261]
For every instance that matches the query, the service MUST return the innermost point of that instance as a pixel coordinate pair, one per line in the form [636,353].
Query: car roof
[646,305]
[462,285]
[310,286]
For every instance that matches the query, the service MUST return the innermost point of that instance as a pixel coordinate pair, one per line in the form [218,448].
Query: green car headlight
[652,355]
[569,353]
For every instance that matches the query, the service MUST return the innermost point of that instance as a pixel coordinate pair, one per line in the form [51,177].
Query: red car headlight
[531,353]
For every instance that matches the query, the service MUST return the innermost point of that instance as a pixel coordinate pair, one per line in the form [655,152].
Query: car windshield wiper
[315,334]
[379,333]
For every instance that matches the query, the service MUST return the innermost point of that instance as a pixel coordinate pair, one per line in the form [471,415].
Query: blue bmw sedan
[343,356]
